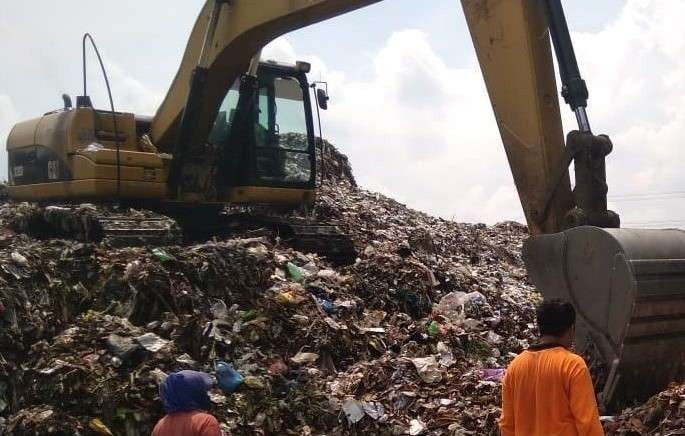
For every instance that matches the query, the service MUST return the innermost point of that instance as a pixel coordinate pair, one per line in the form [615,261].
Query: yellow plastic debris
[99,427]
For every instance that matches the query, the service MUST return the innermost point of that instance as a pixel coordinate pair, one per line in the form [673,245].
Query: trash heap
[409,339]
[662,415]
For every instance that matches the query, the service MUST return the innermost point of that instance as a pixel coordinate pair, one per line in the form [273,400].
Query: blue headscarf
[185,391]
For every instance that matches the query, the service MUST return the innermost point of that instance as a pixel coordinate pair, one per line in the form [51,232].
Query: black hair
[555,317]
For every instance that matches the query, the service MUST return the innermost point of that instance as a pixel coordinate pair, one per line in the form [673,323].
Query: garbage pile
[661,415]
[412,338]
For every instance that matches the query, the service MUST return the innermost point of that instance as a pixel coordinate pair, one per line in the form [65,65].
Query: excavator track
[325,239]
[115,225]
[123,226]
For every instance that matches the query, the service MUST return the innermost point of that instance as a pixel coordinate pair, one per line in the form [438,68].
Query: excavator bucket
[628,287]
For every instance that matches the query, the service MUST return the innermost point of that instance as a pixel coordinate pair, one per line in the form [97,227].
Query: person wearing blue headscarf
[185,398]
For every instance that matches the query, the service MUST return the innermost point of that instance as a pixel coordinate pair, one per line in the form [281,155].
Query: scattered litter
[295,272]
[428,369]
[99,427]
[493,374]
[19,259]
[304,358]
[162,255]
[416,427]
[151,342]
[373,409]
[354,411]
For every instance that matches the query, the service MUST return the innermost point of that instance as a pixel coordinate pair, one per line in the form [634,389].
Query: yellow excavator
[220,136]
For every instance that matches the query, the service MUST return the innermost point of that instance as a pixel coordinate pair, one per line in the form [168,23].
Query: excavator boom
[628,286]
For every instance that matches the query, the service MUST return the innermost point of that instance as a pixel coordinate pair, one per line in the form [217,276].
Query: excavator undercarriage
[134,225]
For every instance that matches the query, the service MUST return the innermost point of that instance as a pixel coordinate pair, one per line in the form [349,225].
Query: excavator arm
[513,47]
[628,285]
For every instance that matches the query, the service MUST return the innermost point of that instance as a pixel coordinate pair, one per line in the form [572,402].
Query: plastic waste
[219,309]
[133,270]
[289,298]
[19,259]
[296,273]
[253,382]
[373,409]
[354,411]
[228,379]
[249,315]
[451,306]
[428,369]
[446,356]
[433,329]
[493,374]
[99,427]
[303,358]
[163,255]
[416,427]
[151,342]
[327,305]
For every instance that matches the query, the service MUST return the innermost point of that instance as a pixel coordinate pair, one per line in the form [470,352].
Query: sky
[408,104]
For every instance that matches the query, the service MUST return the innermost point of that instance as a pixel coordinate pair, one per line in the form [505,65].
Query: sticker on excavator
[53,170]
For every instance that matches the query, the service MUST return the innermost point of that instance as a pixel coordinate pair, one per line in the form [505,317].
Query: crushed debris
[661,415]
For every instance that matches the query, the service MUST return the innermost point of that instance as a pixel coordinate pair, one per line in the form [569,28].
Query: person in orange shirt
[547,389]
[185,398]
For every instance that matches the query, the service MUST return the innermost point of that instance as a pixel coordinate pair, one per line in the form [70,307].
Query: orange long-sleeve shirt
[547,391]
[193,423]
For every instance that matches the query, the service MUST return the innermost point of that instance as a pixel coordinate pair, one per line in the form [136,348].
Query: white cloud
[635,69]
[128,93]
[426,131]
[423,133]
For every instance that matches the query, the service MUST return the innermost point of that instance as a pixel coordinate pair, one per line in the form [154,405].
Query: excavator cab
[265,132]
[267,136]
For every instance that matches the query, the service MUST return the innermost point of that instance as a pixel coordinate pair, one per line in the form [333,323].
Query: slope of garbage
[661,415]
[409,339]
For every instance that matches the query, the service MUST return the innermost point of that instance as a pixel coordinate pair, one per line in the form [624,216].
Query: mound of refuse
[411,338]
[661,415]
